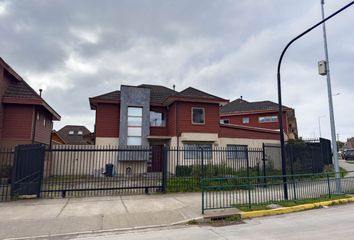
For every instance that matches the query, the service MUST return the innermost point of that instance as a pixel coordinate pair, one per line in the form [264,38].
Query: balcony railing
[157,123]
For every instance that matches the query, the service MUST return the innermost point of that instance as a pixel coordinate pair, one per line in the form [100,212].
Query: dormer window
[71,132]
[79,132]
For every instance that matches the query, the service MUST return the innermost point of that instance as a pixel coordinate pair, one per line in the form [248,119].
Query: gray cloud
[78,49]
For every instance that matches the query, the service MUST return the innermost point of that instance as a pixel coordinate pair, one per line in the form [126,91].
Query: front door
[156,158]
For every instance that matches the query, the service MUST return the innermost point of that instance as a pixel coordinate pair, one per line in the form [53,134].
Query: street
[330,223]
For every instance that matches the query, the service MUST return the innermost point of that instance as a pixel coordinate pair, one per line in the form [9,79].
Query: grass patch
[263,206]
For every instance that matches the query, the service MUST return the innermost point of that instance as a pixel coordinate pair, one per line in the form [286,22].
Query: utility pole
[330,103]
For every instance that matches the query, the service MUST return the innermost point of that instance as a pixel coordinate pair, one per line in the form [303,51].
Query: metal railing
[229,192]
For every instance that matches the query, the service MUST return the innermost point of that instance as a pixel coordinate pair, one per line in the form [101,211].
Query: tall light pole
[281,128]
[330,103]
[319,124]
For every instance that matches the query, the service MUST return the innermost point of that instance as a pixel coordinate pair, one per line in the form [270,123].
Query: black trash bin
[109,170]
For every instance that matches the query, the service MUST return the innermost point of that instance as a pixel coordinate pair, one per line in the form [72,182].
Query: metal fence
[98,170]
[186,166]
[6,163]
[86,170]
[219,193]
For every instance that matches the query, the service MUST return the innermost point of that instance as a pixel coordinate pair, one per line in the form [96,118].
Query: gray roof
[158,94]
[195,93]
[240,105]
[74,138]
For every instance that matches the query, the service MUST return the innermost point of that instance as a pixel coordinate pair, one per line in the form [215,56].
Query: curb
[298,208]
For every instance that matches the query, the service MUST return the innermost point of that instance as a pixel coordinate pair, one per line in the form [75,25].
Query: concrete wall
[134,97]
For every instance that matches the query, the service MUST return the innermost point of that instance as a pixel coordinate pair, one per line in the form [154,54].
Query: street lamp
[330,104]
[281,128]
[319,124]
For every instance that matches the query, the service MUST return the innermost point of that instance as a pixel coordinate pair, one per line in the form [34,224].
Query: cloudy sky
[78,49]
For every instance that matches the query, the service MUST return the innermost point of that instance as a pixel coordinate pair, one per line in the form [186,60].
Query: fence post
[248,181]
[41,174]
[164,169]
[329,186]
[264,165]
[202,179]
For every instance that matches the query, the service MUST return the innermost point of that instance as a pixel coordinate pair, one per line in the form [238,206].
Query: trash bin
[109,170]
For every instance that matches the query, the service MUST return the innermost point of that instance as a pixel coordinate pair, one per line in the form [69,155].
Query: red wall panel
[227,132]
[107,120]
[18,122]
[43,131]
[184,116]
[254,122]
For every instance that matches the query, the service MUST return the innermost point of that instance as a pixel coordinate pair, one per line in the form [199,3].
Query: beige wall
[106,141]
[252,143]
[93,163]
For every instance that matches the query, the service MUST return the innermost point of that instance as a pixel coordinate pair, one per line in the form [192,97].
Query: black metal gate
[27,172]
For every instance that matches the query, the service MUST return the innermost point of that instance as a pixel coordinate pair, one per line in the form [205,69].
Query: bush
[184,171]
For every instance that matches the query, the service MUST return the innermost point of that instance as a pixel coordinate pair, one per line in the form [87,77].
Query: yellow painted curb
[297,208]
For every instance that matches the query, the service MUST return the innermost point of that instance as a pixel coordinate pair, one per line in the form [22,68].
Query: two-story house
[151,115]
[262,114]
[24,116]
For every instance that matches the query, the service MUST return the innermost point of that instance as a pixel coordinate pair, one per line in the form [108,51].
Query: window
[157,119]
[268,119]
[44,122]
[236,151]
[226,121]
[198,116]
[194,151]
[135,122]
[79,132]
[245,120]
[37,116]
[71,132]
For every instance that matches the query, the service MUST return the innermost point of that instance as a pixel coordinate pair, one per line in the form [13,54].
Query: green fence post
[248,182]
[329,186]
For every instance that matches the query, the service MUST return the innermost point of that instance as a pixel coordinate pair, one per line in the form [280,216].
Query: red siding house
[261,115]
[24,116]
[152,115]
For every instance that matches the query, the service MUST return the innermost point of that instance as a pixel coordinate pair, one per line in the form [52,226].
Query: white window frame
[244,121]
[236,151]
[200,108]
[160,123]
[132,127]
[193,151]
[268,119]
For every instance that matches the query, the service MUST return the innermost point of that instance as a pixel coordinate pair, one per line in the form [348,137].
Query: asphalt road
[327,223]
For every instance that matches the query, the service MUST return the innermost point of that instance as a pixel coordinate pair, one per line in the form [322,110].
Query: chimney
[174,87]
[241,97]
[40,92]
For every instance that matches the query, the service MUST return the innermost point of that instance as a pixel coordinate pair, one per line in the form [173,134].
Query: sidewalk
[38,217]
